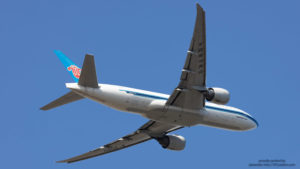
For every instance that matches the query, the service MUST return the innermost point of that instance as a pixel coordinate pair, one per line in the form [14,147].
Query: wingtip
[199,8]
[44,108]
[62,161]
[89,55]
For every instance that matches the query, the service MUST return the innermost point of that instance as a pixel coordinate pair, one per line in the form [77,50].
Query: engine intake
[172,142]
[218,95]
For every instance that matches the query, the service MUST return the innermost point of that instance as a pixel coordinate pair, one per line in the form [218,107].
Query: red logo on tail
[75,70]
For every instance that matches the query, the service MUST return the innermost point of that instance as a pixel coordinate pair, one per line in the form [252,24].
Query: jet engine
[172,142]
[217,95]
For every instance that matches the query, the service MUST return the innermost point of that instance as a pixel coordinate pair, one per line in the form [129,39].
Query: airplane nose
[252,124]
[249,124]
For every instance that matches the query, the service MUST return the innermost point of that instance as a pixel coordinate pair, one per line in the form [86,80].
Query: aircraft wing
[192,81]
[151,129]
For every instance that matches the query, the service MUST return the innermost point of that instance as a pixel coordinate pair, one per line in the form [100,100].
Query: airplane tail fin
[84,77]
[72,68]
[88,77]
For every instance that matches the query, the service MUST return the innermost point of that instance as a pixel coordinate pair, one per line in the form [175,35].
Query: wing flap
[126,141]
[148,131]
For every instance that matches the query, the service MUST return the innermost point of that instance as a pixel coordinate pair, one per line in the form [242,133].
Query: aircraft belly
[173,115]
[137,104]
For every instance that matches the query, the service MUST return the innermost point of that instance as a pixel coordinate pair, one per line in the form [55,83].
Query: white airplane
[186,106]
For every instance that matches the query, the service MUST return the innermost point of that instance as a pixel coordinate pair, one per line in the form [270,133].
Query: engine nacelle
[218,95]
[172,142]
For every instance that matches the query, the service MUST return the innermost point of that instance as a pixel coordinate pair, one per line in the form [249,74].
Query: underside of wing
[121,143]
[151,129]
[188,93]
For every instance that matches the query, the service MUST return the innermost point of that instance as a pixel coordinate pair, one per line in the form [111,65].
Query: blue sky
[252,50]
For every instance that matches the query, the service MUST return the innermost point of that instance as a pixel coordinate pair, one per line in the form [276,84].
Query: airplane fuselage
[152,106]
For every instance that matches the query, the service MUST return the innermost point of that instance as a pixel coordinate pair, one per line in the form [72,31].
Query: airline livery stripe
[145,95]
[208,107]
[234,112]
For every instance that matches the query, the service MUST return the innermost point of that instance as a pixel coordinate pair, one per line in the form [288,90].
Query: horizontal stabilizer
[65,99]
[88,77]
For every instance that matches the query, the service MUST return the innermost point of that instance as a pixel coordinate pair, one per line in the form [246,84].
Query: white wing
[192,81]
[151,129]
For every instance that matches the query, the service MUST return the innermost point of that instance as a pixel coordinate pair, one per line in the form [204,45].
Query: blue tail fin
[72,68]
